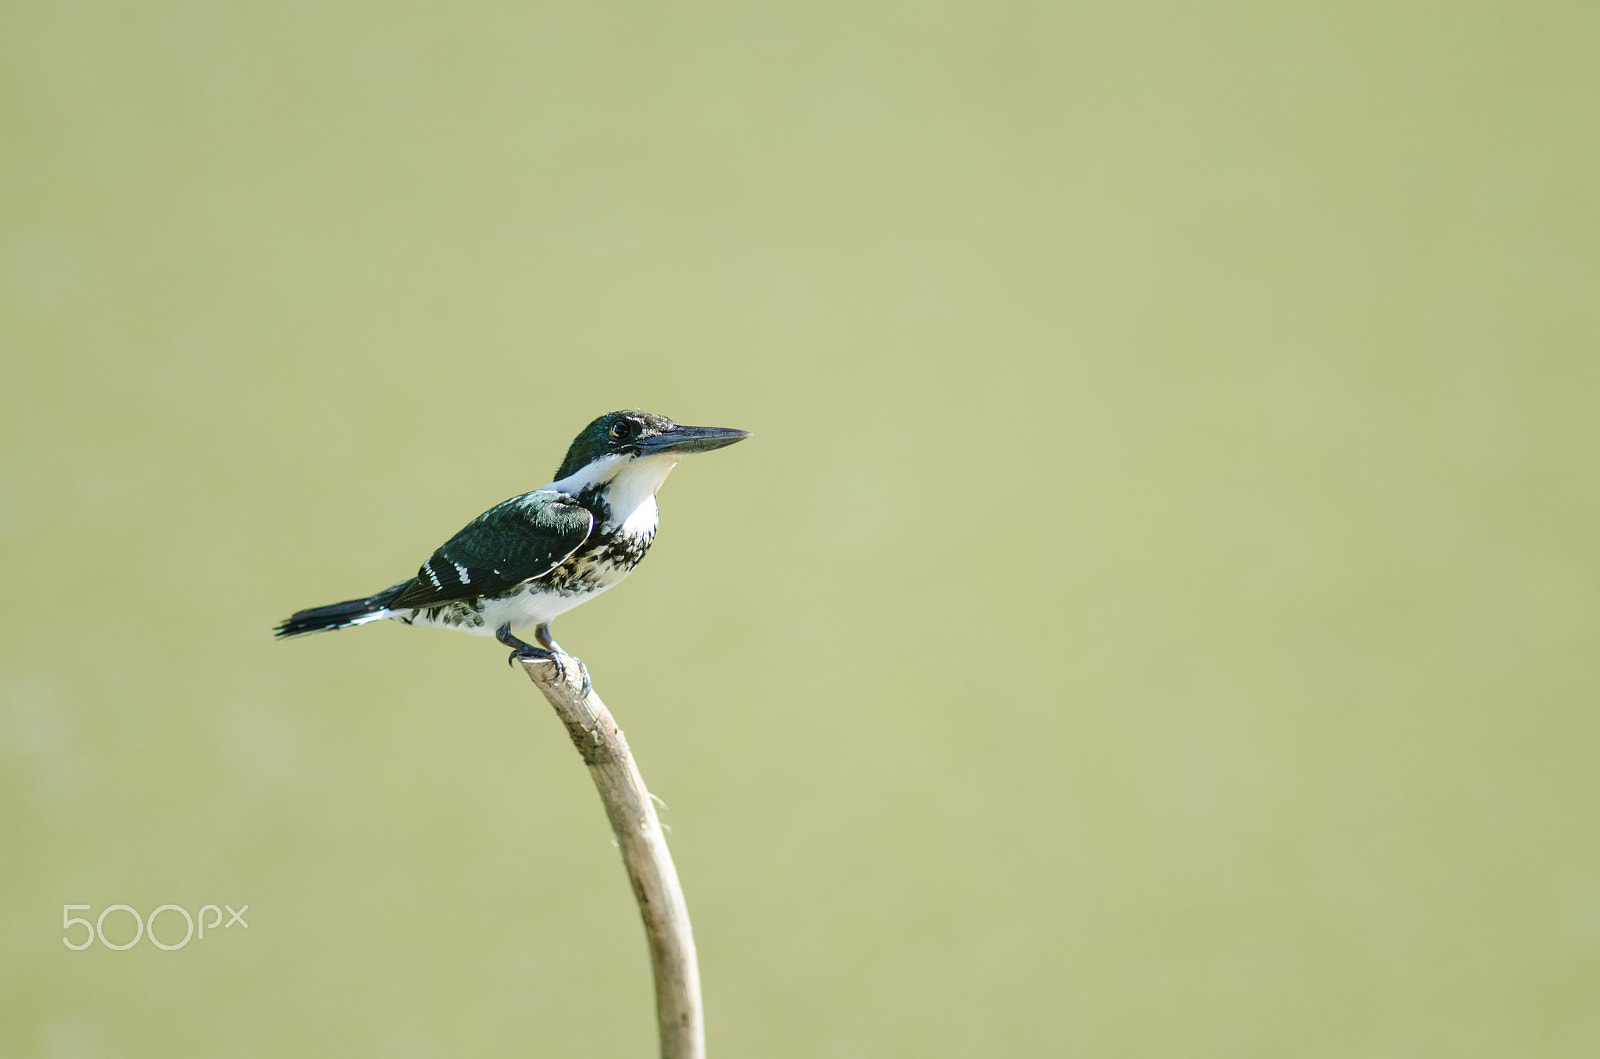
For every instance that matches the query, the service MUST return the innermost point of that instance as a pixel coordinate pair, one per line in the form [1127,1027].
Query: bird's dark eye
[622,429]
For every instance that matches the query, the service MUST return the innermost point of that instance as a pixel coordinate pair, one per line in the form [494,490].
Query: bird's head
[632,437]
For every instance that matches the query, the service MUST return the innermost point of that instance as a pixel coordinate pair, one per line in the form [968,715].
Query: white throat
[630,482]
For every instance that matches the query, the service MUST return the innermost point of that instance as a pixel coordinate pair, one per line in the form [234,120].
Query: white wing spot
[461,571]
[428,567]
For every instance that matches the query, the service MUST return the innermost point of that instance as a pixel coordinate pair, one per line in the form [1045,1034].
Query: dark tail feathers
[339,615]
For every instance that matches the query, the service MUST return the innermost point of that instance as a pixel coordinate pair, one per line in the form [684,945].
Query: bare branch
[644,852]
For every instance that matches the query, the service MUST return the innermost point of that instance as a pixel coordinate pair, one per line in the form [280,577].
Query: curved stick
[644,850]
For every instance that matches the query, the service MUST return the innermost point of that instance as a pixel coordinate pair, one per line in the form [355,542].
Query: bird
[530,559]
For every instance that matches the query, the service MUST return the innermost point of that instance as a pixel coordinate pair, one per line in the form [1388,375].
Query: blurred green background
[1157,614]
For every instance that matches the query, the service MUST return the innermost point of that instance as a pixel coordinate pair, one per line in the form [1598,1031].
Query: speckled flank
[603,562]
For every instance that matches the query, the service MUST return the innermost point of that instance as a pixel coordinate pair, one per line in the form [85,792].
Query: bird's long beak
[680,441]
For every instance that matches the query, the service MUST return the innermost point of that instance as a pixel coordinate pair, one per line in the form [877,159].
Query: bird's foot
[522,651]
[542,634]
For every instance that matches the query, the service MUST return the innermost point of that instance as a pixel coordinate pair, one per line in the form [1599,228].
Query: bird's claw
[561,658]
[551,652]
[533,654]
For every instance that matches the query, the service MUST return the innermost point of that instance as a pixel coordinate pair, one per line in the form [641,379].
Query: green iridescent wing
[521,539]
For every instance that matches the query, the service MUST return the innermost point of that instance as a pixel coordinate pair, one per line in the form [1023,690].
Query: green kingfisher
[534,557]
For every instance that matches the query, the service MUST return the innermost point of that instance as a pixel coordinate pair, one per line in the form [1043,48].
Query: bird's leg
[550,652]
[542,634]
[521,649]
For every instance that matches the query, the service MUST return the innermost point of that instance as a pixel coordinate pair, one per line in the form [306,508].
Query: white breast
[642,520]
